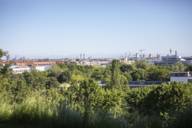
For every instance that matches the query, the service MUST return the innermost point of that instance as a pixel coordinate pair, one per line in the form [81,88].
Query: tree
[1,53]
[113,102]
[123,80]
[52,82]
[138,74]
[128,76]
[64,77]
[86,95]
[126,68]
[178,67]
[141,64]
[97,74]
[115,76]
[107,75]
[4,69]
[37,79]
[164,99]
[189,68]
[158,74]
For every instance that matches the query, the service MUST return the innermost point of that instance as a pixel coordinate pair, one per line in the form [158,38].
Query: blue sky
[66,28]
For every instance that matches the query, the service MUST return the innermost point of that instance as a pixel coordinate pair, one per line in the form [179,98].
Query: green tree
[113,102]
[64,77]
[115,74]
[97,73]
[141,64]
[126,68]
[4,69]
[178,67]
[158,74]
[1,53]
[163,99]
[138,74]
[88,96]
[128,76]
[189,68]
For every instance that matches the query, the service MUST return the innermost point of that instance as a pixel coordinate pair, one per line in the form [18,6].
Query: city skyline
[53,28]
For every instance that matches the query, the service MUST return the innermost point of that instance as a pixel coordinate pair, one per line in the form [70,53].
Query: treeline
[89,105]
[69,96]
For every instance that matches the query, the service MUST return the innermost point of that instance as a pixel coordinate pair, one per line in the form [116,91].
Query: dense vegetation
[69,95]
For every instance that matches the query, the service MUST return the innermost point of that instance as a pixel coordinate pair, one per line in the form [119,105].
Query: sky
[66,28]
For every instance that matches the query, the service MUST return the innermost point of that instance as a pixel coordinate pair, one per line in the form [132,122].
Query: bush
[183,119]
[162,99]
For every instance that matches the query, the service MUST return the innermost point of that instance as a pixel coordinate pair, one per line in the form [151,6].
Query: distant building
[125,60]
[183,77]
[169,60]
[188,60]
[42,67]
[20,69]
[94,62]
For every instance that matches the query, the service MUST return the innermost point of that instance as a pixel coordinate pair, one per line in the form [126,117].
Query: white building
[42,67]
[20,69]
[183,77]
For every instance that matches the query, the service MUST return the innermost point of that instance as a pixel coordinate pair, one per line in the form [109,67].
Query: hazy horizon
[100,28]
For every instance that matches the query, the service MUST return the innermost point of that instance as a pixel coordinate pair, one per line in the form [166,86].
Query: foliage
[183,119]
[115,76]
[40,98]
[126,68]
[1,53]
[158,74]
[138,74]
[163,99]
